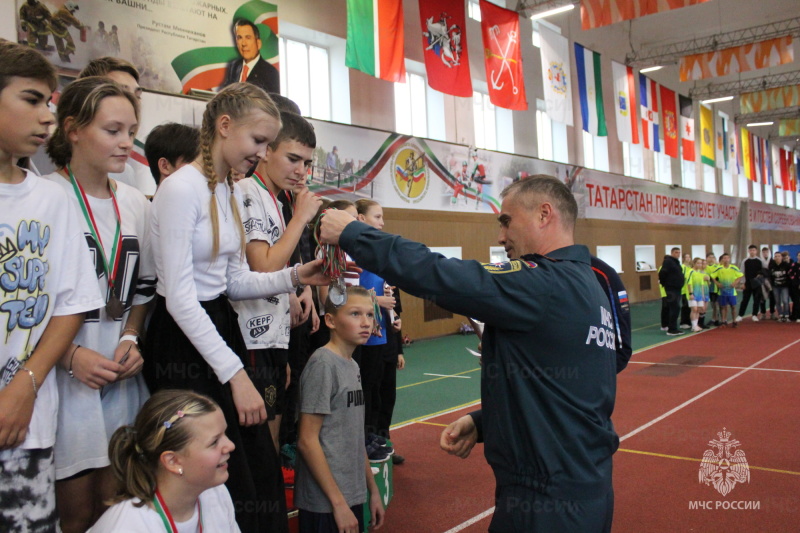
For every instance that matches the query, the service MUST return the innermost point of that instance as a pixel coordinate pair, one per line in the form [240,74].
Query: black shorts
[712,297]
[324,522]
[272,383]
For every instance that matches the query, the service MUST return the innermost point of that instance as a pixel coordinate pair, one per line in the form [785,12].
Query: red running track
[671,401]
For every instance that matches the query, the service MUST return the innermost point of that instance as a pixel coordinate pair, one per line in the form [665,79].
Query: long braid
[235,100]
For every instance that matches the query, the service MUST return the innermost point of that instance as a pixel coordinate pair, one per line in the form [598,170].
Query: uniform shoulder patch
[507,266]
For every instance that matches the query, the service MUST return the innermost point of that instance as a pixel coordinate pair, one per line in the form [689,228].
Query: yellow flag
[746,156]
[706,135]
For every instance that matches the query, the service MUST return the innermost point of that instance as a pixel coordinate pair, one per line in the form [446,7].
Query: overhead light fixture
[760,124]
[651,69]
[555,11]
[715,100]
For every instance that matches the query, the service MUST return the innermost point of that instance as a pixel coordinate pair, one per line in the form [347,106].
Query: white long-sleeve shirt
[187,274]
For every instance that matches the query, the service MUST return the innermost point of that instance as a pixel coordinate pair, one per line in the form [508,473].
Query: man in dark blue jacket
[671,278]
[548,381]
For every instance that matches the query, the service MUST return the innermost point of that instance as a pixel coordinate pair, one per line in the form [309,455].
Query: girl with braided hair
[194,341]
[170,466]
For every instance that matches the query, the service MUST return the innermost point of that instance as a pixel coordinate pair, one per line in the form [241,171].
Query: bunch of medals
[376,312]
[334,264]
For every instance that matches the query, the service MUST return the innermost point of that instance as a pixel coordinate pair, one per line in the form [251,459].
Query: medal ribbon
[166,517]
[110,269]
[260,182]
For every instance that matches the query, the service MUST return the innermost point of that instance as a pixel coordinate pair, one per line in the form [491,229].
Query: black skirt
[171,361]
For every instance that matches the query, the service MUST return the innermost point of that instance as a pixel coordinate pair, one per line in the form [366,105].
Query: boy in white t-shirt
[265,323]
[46,286]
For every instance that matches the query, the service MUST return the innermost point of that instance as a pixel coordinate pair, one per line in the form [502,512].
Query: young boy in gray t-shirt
[333,473]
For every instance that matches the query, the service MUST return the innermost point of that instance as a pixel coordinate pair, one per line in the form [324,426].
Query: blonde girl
[170,468]
[98,377]
[194,340]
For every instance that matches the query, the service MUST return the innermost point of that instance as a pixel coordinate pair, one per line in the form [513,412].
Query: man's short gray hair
[531,191]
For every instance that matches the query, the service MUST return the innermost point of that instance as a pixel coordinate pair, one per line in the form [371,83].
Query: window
[300,64]
[662,166]
[743,187]
[551,136]
[474,8]
[727,183]
[709,179]
[757,191]
[769,193]
[483,112]
[410,106]
[595,152]
[536,38]
[632,160]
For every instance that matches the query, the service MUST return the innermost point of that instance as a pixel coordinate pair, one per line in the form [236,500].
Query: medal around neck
[114,307]
[337,292]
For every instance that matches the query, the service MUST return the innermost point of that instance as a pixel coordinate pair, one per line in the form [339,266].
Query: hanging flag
[755,144]
[794,171]
[687,127]
[777,160]
[503,58]
[444,43]
[597,13]
[788,127]
[737,59]
[556,76]
[590,88]
[733,154]
[648,94]
[766,167]
[721,140]
[375,38]
[706,135]
[768,99]
[747,156]
[625,103]
[670,119]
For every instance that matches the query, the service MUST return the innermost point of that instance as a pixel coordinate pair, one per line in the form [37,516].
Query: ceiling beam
[671,53]
[765,116]
[714,90]
[526,8]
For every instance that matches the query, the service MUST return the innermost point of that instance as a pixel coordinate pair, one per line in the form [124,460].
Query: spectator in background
[671,277]
[780,286]
[766,262]
[753,279]
[170,146]
[794,288]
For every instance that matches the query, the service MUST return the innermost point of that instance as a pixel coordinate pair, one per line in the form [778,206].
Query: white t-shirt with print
[45,271]
[264,322]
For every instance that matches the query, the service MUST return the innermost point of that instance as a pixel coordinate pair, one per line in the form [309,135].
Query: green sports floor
[441,375]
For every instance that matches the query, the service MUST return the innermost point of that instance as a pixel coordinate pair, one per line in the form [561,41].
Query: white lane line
[715,366]
[471,521]
[446,376]
[434,415]
[712,389]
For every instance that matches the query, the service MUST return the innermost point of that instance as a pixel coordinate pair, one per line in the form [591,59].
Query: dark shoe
[675,333]
[377,454]
[398,459]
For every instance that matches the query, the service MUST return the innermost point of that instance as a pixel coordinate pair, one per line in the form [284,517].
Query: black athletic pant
[757,297]
[370,362]
[673,305]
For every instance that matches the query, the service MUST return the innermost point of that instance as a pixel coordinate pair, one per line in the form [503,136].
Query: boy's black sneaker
[675,332]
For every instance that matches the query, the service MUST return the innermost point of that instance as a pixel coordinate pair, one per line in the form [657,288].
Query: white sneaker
[685,326]
[755,318]
[696,328]
[667,329]
[738,319]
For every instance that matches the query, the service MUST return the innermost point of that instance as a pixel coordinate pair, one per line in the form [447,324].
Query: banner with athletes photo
[177,45]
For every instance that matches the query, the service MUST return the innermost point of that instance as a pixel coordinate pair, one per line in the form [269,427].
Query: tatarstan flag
[204,68]
[375,38]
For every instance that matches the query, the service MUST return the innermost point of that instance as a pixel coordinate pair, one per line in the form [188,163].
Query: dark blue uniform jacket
[549,363]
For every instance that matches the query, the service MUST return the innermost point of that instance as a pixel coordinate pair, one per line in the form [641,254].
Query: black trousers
[686,312]
[757,297]
[521,509]
[255,481]
[673,308]
[370,362]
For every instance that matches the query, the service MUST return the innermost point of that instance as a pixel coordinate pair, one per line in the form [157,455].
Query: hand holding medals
[334,265]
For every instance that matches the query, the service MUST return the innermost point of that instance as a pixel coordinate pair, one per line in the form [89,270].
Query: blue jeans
[782,300]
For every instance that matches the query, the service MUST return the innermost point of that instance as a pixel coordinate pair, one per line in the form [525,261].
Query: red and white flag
[501,47]
[444,43]
[648,95]
[687,127]
[625,103]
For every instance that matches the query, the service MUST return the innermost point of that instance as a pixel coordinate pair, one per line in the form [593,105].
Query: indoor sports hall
[673,124]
